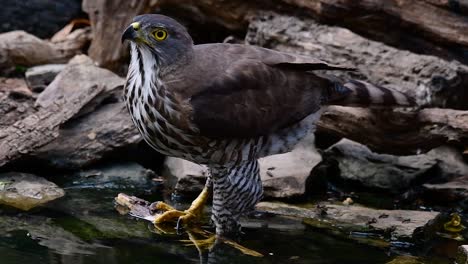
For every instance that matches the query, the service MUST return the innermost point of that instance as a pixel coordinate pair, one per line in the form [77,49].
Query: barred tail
[359,93]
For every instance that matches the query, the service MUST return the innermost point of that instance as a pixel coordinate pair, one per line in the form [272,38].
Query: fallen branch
[24,49]
[397,131]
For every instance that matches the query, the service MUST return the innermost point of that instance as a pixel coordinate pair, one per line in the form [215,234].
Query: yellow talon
[185,218]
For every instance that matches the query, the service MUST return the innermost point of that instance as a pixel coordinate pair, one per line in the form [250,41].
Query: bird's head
[166,38]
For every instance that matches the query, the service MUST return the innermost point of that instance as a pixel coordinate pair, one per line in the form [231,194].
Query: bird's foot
[168,214]
[192,215]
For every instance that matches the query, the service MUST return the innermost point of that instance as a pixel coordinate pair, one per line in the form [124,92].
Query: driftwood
[41,127]
[21,48]
[431,80]
[86,140]
[429,26]
[108,20]
[397,131]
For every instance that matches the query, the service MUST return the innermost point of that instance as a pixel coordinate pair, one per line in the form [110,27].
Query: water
[83,227]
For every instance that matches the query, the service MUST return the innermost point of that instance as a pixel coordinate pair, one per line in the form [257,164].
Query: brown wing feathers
[260,91]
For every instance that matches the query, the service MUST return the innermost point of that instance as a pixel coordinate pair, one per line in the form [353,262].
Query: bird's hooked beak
[131,33]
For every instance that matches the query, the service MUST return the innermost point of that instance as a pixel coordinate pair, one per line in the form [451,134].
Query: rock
[283,175]
[190,177]
[400,224]
[406,260]
[26,191]
[359,165]
[450,162]
[433,81]
[462,255]
[122,175]
[453,190]
[39,77]
[394,173]
[50,15]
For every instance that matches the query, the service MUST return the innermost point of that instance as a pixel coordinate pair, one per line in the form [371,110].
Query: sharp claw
[179,224]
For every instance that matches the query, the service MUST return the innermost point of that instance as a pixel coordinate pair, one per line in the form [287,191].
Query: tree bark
[109,19]
[24,49]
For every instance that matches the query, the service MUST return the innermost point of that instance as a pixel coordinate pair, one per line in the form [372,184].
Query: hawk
[227,105]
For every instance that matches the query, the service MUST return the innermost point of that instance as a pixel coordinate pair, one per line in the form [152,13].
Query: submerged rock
[283,176]
[400,224]
[26,191]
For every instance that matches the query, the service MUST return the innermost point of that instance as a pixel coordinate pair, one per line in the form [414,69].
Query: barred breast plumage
[156,113]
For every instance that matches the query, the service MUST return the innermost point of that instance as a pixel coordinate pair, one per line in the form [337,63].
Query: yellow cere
[135,25]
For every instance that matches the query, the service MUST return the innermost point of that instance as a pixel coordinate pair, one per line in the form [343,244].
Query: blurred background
[381,185]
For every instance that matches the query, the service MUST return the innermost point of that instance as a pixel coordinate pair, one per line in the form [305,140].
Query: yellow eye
[160,34]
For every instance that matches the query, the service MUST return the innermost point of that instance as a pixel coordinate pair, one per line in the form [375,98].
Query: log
[16,101]
[21,48]
[432,81]
[397,131]
[86,140]
[108,20]
[424,27]
[42,126]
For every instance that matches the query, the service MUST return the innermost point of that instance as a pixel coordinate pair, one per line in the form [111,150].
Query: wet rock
[360,165]
[121,175]
[399,224]
[283,176]
[26,191]
[406,260]
[462,255]
[39,77]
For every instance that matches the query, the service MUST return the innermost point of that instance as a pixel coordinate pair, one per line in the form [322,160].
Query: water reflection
[83,228]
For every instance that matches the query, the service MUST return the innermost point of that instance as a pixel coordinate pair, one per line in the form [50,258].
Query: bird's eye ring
[160,34]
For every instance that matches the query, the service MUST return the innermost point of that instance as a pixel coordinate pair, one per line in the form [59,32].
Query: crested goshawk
[227,105]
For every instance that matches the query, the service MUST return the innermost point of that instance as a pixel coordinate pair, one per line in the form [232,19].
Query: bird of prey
[227,105]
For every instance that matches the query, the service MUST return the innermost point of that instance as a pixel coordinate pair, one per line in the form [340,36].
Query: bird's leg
[183,218]
[236,190]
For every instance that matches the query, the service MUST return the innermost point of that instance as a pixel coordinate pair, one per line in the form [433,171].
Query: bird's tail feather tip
[361,93]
